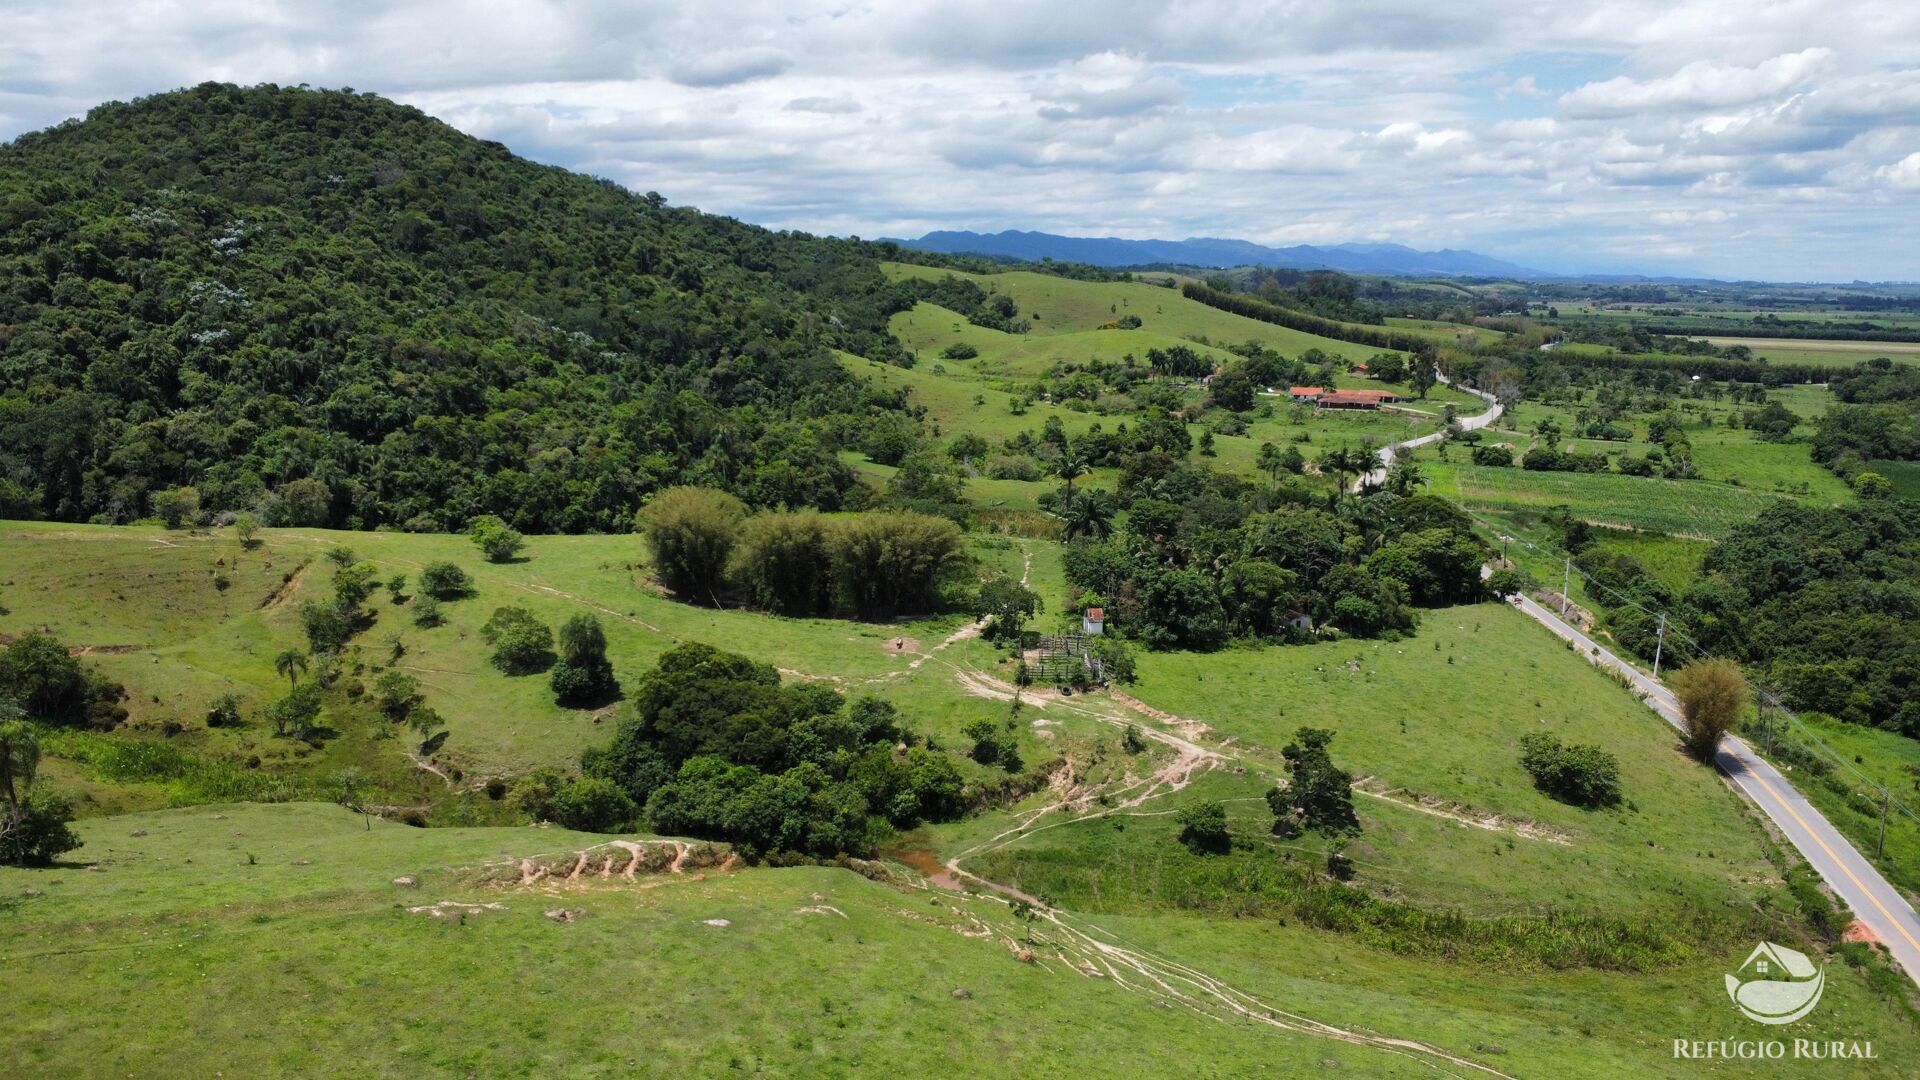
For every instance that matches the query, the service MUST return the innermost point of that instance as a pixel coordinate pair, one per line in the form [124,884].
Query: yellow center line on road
[1578,638]
[1788,807]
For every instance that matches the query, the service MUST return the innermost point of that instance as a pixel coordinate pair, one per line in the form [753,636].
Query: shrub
[1013,467]
[1497,456]
[295,714]
[1203,828]
[39,673]
[991,744]
[225,712]
[247,528]
[959,350]
[522,644]
[887,563]
[396,694]
[34,830]
[498,541]
[427,614]
[1579,774]
[690,532]
[583,677]
[591,804]
[1507,581]
[445,581]
[329,626]
[175,506]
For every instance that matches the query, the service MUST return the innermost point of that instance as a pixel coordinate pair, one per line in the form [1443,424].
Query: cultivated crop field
[1681,507]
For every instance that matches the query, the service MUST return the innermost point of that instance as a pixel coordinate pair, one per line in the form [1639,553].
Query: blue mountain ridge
[1390,259]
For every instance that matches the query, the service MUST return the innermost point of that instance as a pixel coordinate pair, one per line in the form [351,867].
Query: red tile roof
[1305,391]
[1097,614]
[1350,397]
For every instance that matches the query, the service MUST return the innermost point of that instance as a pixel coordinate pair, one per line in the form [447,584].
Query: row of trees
[877,564]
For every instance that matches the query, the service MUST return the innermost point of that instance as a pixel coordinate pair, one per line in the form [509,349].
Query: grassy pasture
[74,579]
[271,938]
[1058,305]
[1835,352]
[1691,508]
[1441,715]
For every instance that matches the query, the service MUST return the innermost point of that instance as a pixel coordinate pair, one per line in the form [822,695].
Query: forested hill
[337,310]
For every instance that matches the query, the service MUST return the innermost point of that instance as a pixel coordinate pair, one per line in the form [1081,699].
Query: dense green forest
[336,310]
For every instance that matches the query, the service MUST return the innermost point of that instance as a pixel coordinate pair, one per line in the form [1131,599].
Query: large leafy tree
[1319,794]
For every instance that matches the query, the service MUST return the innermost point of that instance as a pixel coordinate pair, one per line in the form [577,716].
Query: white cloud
[727,68]
[1903,174]
[1703,84]
[1395,120]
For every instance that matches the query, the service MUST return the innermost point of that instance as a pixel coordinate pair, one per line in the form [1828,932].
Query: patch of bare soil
[1576,614]
[286,589]
[621,860]
[903,645]
[450,909]
[1461,813]
[1859,931]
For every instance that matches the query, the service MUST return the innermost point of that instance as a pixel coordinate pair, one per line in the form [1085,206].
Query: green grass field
[1503,678]
[1839,353]
[263,914]
[1739,474]
[252,940]
[1681,507]
[256,940]
[143,602]
[1063,306]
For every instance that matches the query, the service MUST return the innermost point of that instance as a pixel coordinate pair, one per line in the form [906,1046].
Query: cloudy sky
[1740,138]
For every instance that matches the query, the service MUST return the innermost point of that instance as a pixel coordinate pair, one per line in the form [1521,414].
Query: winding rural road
[1875,903]
[1467,423]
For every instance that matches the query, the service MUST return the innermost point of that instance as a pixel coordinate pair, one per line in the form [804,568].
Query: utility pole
[1886,796]
[1659,644]
[1566,583]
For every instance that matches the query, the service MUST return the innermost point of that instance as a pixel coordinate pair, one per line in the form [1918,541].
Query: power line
[1672,638]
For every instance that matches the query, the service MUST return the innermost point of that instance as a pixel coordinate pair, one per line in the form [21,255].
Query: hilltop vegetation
[338,311]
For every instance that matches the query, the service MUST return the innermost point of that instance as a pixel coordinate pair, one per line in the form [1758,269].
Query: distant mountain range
[1390,259]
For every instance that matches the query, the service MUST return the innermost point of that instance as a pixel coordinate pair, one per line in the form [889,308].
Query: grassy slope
[91,584]
[1441,715]
[1067,332]
[307,961]
[1067,306]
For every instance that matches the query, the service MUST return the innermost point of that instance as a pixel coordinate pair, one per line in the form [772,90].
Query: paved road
[1467,423]
[1874,902]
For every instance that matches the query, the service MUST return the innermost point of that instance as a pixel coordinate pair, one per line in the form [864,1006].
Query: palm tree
[1089,515]
[1073,464]
[1269,460]
[1404,477]
[1340,461]
[291,663]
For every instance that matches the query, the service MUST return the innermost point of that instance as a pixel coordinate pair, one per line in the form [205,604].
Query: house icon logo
[1776,985]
